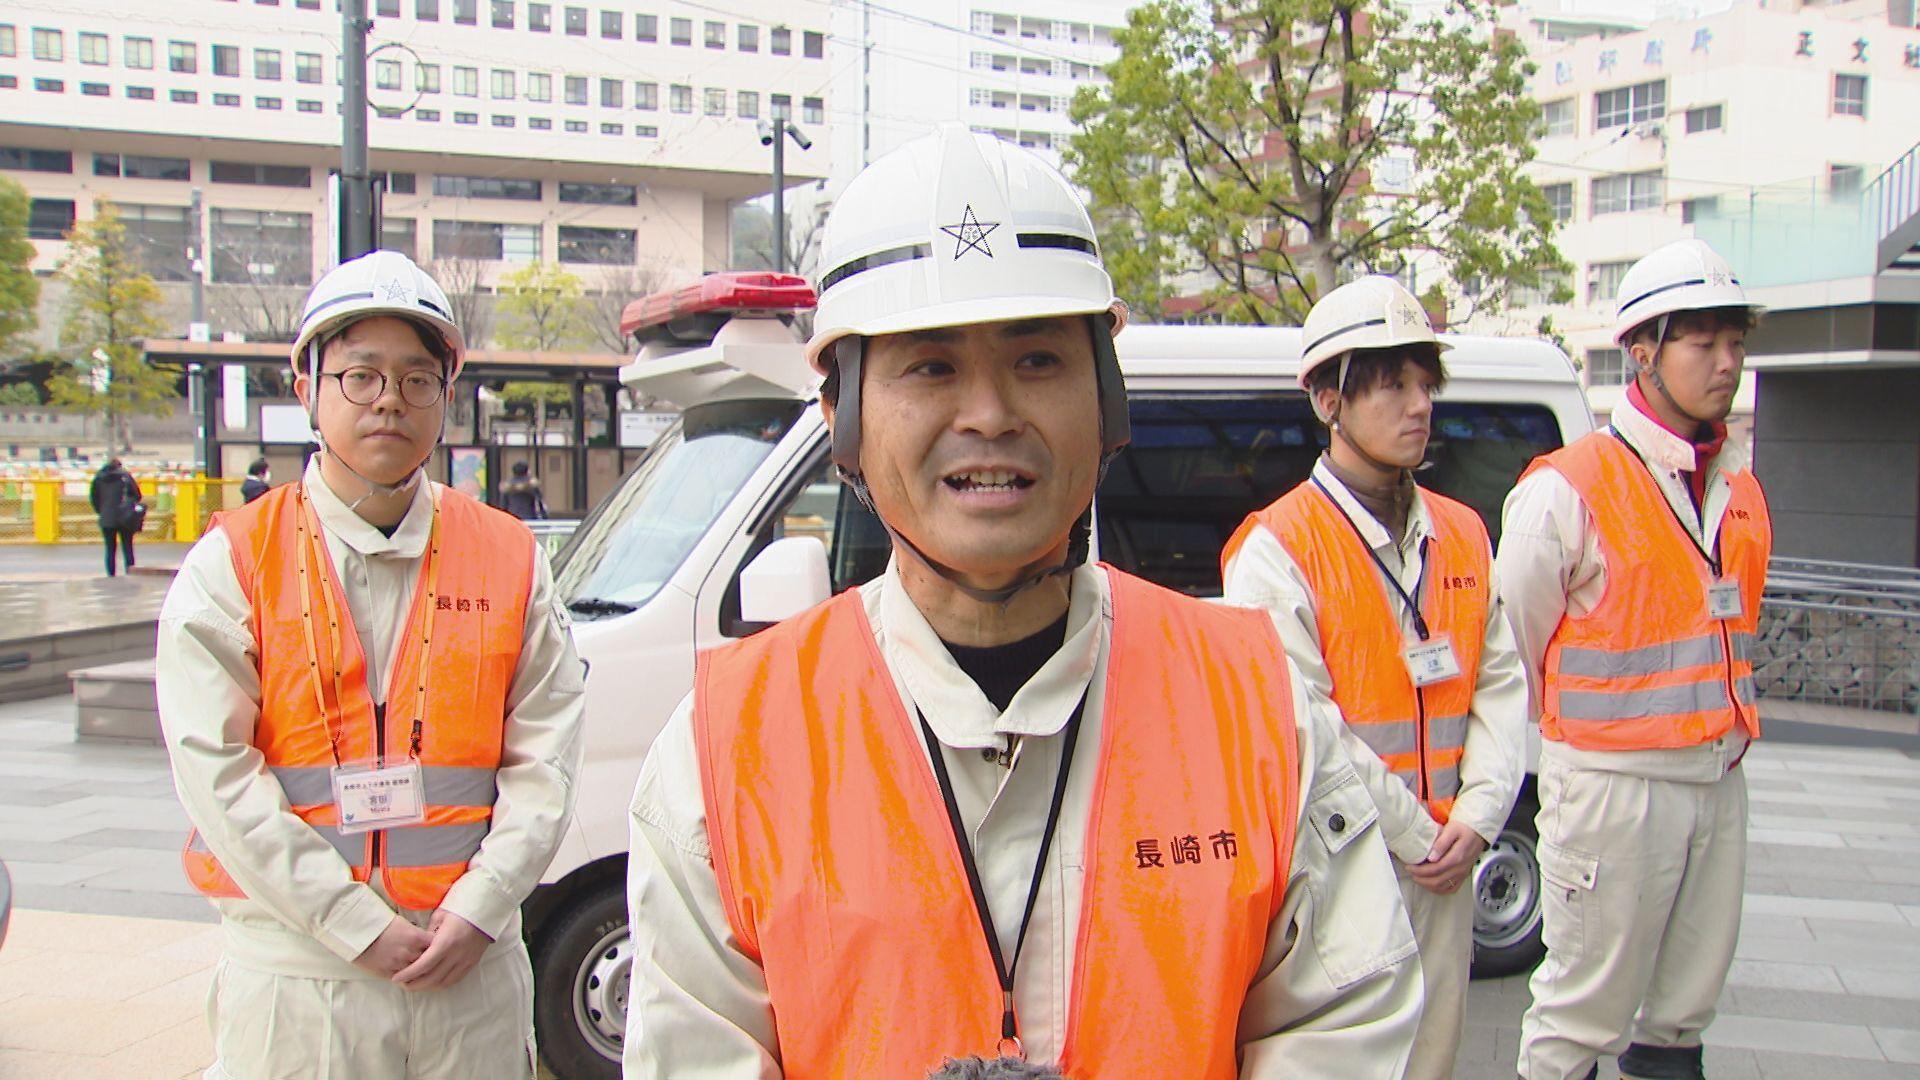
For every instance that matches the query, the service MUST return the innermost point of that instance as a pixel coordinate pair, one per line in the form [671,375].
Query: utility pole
[356,192]
[775,134]
[196,247]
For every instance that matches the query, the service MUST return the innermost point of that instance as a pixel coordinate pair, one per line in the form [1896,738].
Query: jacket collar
[409,541]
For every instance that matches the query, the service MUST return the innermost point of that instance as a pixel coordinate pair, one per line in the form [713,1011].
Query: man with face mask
[1000,801]
[372,707]
[1383,594]
[1632,562]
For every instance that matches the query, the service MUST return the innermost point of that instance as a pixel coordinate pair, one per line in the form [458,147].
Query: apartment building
[611,139]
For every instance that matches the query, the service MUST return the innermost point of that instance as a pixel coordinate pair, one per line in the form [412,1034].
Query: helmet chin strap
[1332,421]
[1659,383]
[374,488]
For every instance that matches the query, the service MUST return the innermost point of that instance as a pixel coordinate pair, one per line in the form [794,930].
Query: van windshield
[638,536]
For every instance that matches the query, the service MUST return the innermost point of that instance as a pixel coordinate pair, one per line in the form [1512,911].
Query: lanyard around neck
[1411,600]
[1009,1022]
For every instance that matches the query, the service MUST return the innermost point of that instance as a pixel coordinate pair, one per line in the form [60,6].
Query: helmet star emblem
[397,291]
[971,234]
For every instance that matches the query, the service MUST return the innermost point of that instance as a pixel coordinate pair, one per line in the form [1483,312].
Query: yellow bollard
[46,511]
[186,511]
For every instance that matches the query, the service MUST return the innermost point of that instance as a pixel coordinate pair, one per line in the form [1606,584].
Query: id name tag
[372,798]
[1723,600]
[1432,661]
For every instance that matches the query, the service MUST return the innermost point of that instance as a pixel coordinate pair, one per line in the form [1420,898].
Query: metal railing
[1840,634]
[1893,198]
[55,510]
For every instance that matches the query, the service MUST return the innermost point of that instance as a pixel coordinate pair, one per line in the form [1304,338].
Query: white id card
[1723,600]
[372,798]
[1432,661]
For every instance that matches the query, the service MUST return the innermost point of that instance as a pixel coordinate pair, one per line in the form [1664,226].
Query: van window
[634,541]
[822,507]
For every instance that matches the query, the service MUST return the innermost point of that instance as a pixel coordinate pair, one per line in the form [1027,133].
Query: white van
[655,572]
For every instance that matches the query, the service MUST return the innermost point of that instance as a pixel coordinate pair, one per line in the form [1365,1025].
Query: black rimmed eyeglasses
[364,385]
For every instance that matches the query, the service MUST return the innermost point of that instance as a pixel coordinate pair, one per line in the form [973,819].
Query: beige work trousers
[1443,929]
[1642,881]
[268,1026]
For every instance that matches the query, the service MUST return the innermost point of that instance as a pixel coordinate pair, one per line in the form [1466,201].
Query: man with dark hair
[521,496]
[1633,562]
[115,497]
[256,484]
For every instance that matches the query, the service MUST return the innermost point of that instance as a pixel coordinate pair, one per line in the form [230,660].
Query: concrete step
[43,665]
[117,701]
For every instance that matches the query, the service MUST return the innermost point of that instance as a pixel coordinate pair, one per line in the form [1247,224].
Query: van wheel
[581,972]
[1506,889]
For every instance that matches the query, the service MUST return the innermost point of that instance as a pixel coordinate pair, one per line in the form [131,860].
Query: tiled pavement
[105,971]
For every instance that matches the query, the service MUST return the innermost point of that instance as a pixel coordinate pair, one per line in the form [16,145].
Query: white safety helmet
[377,283]
[1686,275]
[1373,312]
[955,229]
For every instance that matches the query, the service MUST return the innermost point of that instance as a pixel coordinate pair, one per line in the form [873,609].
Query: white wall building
[1648,129]
[599,135]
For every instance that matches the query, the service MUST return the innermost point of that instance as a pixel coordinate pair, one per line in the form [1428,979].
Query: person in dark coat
[257,482]
[520,496]
[116,500]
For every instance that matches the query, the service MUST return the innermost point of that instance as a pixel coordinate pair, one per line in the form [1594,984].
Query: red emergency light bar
[729,293]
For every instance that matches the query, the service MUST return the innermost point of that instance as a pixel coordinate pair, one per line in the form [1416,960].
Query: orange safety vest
[841,877]
[475,603]
[1648,668]
[1420,733]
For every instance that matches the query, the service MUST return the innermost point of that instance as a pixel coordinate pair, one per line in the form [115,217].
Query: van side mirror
[785,579]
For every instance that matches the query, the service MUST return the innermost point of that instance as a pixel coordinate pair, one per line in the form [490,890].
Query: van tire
[1507,892]
[580,970]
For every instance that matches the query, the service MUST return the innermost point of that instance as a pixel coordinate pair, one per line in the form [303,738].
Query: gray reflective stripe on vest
[1446,782]
[1702,696]
[1743,690]
[447,785]
[434,845]
[1392,737]
[1648,660]
[1446,732]
[351,848]
[1742,646]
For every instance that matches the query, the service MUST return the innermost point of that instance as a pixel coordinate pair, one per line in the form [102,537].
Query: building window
[226,61]
[142,167]
[50,86]
[425,116]
[466,118]
[1630,104]
[246,172]
[501,85]
[227,101]
[576,89]
[261,247]
[426,78]
[813,111]
[646,131]
[613,93]
[540,18]
[1603,281]
[183,57]
[749,38]
[159,235]
[609,128]
[597,247]
[1692,210]
[140,93]
[398,183]
[426,10]
[612,25]
[48,45]
[466,82]
[466,12]
[716,35]
[93,48]
[1705,118]
[539,123]
[1844,179]
[503,121]
[96,89]
[1560,199]
[386,74]
[303,5]
[138,52]
[813,44]
[16,159]
[576,127]
[539,87]
[1557,118]
[271,104]
[782,41]
[577,22]
[1606,367]
[680,99]
[502,14]
[780,106]
[1849,95]
[184,97]
[680,31]
[646,96]
[600,194]
[9,82]
[266,64]
[486,187]
[9,43]
[49,219]
[399,234]
[1528,296]
[489,240]
[387,9]
[646,28]
[306,67]
[1627,192]
[714,102]
[748,105]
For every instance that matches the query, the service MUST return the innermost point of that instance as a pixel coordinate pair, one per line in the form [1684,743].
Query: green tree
[112,308]
[1263,148]
[19,394]
[541,308]
[19,291]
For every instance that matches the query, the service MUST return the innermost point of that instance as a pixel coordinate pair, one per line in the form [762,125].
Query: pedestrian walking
[1000,801]
[372,704]
[118,505]
[1383,593]
[1632,562]
[257,483]
[520,496]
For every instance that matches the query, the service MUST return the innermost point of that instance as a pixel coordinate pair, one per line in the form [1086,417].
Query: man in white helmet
[1383,594]
[1000,801]
[1632,563]
[372,706]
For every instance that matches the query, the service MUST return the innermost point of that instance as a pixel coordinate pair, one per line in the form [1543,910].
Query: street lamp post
[774,133]
[356,190]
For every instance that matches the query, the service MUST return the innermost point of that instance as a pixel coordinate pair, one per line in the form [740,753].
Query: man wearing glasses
[372,706]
